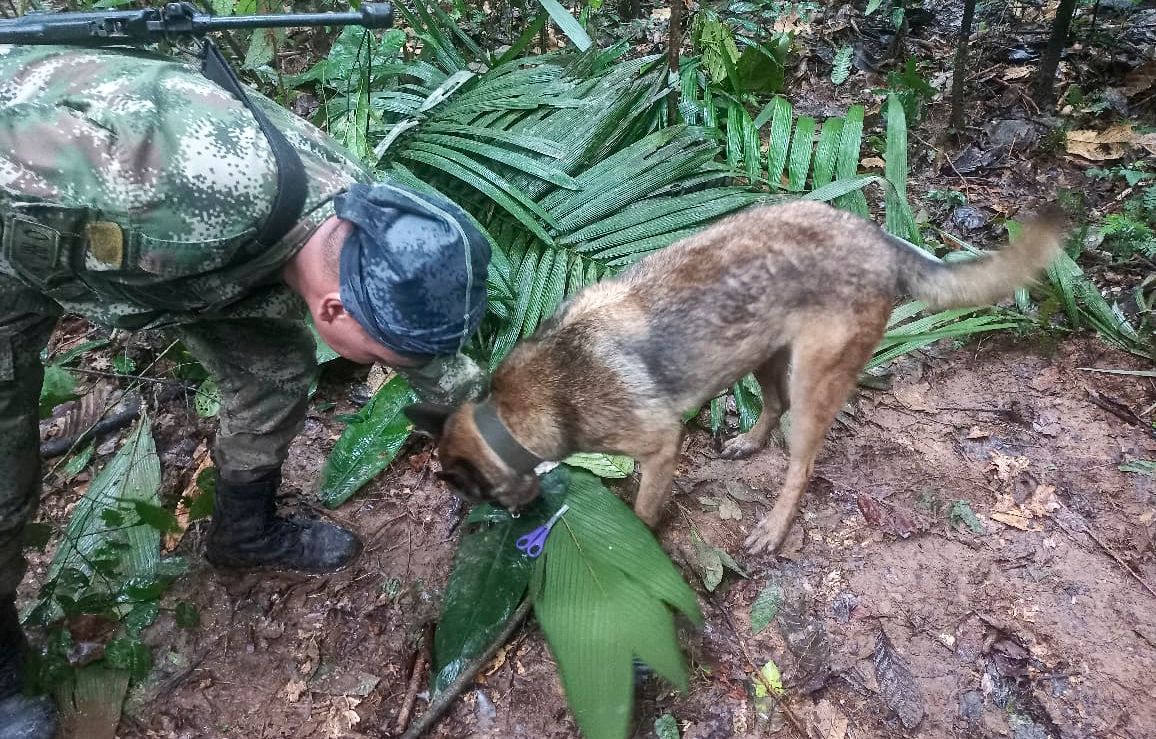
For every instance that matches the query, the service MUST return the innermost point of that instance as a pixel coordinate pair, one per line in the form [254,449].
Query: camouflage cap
[413,268]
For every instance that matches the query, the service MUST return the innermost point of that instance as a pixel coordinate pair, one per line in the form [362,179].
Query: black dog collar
[495,433]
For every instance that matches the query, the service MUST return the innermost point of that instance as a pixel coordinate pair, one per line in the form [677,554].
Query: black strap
[290,197]
[495,433]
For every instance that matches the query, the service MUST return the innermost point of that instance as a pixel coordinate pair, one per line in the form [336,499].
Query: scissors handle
[533,542]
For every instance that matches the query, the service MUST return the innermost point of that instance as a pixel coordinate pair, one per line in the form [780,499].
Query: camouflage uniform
[130,191]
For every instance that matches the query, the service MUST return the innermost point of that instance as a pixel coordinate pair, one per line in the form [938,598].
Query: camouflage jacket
[131,187]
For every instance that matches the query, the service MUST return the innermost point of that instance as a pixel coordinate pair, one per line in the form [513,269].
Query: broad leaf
[99,554]
[603,465]
[368,444]
[568,23]
[605,593]
[486,585]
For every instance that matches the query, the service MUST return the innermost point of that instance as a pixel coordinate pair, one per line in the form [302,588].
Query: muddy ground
[1026,633]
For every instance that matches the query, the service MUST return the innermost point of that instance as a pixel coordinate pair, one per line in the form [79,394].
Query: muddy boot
[21,716]
[246,534]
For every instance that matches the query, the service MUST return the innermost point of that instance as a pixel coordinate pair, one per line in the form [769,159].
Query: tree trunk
[960,72]
[673,48]
[1046,83]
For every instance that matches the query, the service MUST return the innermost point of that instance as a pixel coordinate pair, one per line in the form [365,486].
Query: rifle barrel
[176,19]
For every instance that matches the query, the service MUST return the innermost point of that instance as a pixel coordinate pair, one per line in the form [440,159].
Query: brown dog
[619,363]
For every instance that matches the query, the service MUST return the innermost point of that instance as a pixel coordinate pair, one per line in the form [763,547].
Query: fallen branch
[438,706]
[421,659]
[1121,411]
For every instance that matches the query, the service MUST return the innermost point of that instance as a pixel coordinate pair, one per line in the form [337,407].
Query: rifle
[174,19]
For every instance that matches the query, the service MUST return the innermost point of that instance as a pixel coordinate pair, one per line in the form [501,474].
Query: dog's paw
[741,447]
[767,537]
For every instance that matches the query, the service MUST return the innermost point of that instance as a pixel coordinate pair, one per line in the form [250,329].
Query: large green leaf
[106,544]
[899,220]
[368,444]
[605,594]
[568,23]
[486,585]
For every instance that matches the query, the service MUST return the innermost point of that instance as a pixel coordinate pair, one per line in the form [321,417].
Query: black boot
[21,716]
[245,533]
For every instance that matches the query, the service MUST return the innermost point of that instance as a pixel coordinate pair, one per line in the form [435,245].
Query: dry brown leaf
[1008,468]
[789,23]
[1112,143]
[192,491]
[1043,501]
[294,689]
[1010,518]
[872,163]
[1017,73]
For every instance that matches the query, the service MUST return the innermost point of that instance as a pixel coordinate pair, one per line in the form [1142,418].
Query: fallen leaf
[728,510]
[1010,518]
[806,638]
[294,689]
[872,163]
[977,433]
[1017,73]
[1008,468]
[1112,143]
[1043,500]
[832,724]
[192,492]
[886,517]
[769,680]
[897,687]
[744,493]
[665,726]
[766,607]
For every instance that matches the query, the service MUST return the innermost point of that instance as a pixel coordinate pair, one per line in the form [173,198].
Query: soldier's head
[405,276]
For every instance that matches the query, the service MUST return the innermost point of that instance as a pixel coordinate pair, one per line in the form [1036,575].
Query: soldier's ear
[428,418]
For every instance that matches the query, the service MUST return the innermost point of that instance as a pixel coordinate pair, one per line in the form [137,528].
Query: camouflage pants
[263,369]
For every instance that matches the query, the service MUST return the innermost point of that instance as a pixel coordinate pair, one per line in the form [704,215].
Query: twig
[419,665]
[138,378]
[795,722]
[1119,410]
[438,706]
[1107,550]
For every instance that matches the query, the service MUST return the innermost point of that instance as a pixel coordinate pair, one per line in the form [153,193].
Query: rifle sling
[290,197]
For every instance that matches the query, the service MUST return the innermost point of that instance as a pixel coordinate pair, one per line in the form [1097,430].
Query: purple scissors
[532,543]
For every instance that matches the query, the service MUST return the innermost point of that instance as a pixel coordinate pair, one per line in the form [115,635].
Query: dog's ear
[428,418]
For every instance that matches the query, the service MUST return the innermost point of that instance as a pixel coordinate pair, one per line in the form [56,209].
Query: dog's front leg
[657,477]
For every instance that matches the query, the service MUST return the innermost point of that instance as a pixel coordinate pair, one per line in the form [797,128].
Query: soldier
[138,193]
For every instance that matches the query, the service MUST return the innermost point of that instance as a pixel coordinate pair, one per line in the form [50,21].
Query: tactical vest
[132,186]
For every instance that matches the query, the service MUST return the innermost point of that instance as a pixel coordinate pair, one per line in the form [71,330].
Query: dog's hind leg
[657,477]
[772,377]
[828,358]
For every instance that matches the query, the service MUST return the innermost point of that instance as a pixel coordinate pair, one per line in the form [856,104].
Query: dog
[800,284]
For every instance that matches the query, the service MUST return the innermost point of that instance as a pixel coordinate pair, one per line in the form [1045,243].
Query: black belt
[290,197]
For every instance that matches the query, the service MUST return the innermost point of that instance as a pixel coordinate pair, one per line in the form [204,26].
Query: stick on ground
[450,694]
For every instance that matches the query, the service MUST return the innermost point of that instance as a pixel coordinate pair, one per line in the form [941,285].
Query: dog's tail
[983,280]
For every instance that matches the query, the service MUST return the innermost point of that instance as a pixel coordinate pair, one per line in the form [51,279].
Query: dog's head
[470,467]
